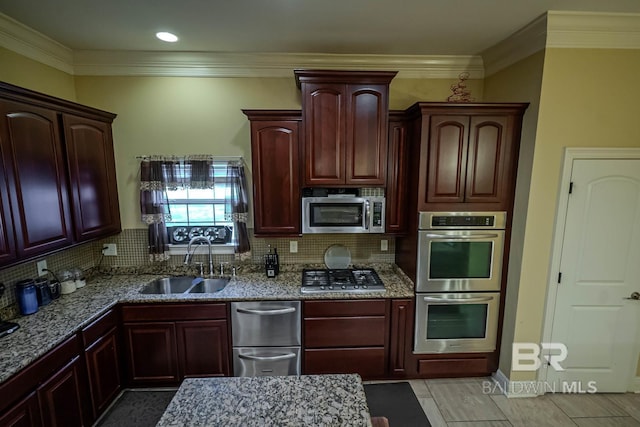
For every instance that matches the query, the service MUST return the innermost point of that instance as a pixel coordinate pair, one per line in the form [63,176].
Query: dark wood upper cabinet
[33,158]
[56,157]
[90,157]
[276,171]
[345,118]
[397,175]
[467,155]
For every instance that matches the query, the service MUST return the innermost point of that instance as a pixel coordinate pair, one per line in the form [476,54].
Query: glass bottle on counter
[67,282]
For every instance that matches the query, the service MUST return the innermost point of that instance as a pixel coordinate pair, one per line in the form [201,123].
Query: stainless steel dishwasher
[266,338]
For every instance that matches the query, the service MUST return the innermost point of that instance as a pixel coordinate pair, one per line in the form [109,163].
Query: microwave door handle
[461,300]
[467,237]
[268,358]
[367,214]
[266,312]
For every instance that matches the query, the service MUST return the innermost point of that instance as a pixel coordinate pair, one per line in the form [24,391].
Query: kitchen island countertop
[52,324]
[307,400]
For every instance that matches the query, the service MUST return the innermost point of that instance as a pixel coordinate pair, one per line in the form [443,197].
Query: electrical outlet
[109,249]
[42,267]
[293,246]
[384,245]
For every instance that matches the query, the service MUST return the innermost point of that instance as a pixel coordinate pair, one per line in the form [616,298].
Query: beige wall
[589,98]
[520,82]
[175,115]
[21,71]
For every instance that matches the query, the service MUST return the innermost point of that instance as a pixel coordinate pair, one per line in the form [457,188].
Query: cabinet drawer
[99,327]
[453,367]
[344,332]
[344,308]
[368,362]
[135,313]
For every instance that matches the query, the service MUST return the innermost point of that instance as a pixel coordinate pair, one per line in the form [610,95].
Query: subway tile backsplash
[132,251]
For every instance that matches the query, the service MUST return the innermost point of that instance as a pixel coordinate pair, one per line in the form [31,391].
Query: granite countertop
[52,324]
[307,400]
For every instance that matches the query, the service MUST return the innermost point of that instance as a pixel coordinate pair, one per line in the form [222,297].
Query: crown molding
[27,42]
[212,64]
[586,30]
[521,44]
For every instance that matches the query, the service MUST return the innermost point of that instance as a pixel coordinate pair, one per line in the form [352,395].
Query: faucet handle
[200,266]
[222,264]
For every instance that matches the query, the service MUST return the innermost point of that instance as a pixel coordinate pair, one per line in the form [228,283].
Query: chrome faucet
[201,239]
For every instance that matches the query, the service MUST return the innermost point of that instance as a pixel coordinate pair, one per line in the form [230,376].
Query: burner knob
[331,287]
[364,286]
[355,286]
[322,287]
[343,287]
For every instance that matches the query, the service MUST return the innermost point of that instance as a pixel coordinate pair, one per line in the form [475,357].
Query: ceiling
[388,27]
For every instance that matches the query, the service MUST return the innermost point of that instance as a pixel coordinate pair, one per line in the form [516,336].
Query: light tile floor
[470,402]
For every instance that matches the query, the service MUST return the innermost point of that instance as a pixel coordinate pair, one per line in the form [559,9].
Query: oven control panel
[462,220]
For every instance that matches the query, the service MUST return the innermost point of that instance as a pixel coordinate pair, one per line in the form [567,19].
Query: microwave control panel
[377,214]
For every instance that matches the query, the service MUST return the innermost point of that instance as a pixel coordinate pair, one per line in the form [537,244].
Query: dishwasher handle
[272,312]
[285,356]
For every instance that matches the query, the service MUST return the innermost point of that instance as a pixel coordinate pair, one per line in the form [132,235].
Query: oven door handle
[266,312]
[268,358]
[463,300]
[467,237]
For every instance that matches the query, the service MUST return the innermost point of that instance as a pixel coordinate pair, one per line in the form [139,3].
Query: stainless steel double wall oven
[458,280]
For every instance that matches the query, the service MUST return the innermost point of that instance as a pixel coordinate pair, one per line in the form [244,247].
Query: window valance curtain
[159,174]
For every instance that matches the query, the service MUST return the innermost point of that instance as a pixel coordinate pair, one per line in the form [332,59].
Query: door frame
[571,154]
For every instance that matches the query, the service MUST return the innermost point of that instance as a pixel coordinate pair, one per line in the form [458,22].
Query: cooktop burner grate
[343,281]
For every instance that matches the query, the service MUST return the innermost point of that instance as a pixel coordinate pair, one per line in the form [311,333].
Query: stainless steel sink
[184,285]
[209,286]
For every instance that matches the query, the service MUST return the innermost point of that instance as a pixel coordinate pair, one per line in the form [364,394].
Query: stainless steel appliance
[266,338]
[460,251]
[458,281]
[343,214]
[456,322]
[341,280]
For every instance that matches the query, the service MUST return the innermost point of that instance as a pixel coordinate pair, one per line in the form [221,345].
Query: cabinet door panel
[366,135]
[25,413]
[397,178]
[7,235]
[344,331]
[103,365]
[368,362]
[324,129]
[203,348]
[401,336]
[33,157]
[447,158]
[274,151]
[92,177]
[485,168]
[61,400]
[151,352]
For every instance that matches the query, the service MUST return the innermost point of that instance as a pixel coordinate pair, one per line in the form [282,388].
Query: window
[200,212]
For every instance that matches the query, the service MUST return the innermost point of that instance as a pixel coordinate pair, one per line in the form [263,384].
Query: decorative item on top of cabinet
[397,174]
[345,118]
[37,134]
[276,171]
[467,155]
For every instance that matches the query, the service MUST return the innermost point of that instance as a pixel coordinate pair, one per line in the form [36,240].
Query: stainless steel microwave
[343,214]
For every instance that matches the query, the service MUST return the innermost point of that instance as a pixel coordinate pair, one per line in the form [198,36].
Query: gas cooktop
[343,280]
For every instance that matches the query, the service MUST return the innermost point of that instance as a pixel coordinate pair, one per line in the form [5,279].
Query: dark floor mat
[397,402]
[137,408]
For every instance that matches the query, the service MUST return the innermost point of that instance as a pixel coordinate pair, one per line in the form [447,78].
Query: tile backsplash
[132,251]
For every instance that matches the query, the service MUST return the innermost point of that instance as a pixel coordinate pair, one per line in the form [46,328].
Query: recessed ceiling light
[167,37]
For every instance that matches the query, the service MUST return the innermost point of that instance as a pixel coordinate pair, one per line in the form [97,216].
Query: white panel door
[600,268]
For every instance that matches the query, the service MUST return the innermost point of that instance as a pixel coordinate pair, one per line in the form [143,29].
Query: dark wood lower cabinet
[103,367]
[451,367]
[151,352]
[369,362]
[401,338]
[25,413]
[61,401]
[165,343]
[203,349]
